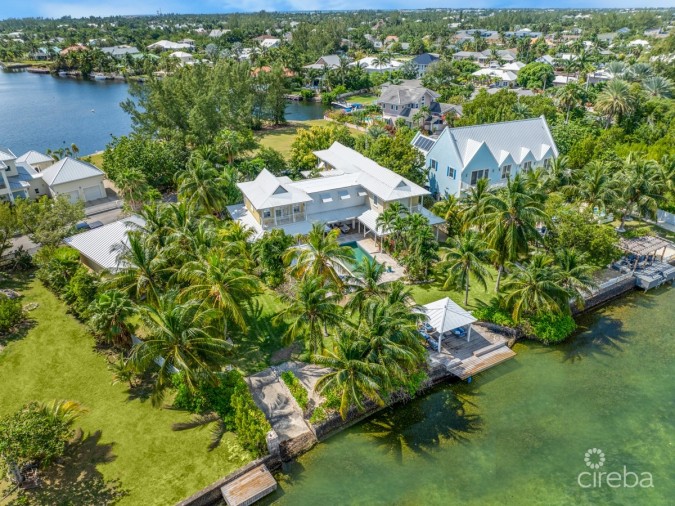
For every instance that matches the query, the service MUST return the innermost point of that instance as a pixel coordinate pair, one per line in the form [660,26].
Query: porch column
[437,232]
[663,253]
[637,257]
[440,335]
[293,213]
[468,337]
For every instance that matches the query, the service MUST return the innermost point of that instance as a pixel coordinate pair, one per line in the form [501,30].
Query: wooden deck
[250,487]
[464,358]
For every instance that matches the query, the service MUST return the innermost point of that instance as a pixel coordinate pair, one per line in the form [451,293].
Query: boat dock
[463,358]
[249,487]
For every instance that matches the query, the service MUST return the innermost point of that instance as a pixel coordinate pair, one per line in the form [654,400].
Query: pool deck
[373,249]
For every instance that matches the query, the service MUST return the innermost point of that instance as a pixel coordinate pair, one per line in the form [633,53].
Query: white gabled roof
[445,315]
[6,154]
[32,157]
[268,190]
[103,245]
[69,169]
[378,180]
[517,138]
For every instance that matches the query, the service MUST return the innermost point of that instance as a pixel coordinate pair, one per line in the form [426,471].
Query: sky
[85,8]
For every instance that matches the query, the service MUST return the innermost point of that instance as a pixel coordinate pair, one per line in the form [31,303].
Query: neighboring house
[547,58]
[185,58]
[422,62]
[405,100]
[216,33]
[372,64]
[498,77]
[44,53]
[330,61]
[350,189]
[38,161]
[484,58]
[459,157]
[167,45]
[639,42]
[562,80]
[76,179]
[101,247]
[119,52]
[377,43]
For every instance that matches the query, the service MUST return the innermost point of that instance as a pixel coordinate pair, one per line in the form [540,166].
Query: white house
[167,45]
[185,58]
[501,78]
[351,189]
[75,178]
[459,157]
[373,64]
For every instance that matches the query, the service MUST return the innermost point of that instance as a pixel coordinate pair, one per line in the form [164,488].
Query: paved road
[104,217]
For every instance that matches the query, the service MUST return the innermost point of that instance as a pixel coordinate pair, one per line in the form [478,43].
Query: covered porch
[367,222]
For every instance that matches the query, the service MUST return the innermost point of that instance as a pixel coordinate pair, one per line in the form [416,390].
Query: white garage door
[74,196]
[92,193]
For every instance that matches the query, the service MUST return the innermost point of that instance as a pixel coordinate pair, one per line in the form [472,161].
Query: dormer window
[527,166]
[506,171]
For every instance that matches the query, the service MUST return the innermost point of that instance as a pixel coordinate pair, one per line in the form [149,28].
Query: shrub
[319,415]
[56,266]
[250,423]
[297,389]
[307,94]
[494,315]
[208,396]
[11,313]
[549,327]
[80,292]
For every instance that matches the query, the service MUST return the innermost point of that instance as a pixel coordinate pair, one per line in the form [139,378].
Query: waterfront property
[459,157]
[35,174]
[644,263]
[351,190]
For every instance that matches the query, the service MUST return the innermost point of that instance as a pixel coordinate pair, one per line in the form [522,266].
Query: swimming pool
[359,252]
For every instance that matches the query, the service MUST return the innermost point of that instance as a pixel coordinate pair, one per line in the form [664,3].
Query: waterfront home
[403,101]
[459,157]
[350,190]
[323,64]
[373,64]
[120,52]
[422,62]
[167,45]
[34,174]
[100,248]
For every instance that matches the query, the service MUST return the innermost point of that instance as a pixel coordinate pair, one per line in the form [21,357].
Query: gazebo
[644,246]
[444,315]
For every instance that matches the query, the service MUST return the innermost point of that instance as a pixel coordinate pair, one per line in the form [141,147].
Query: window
[396,107]
[344,194]
[478,174]
[433,164]
[527,166]
[296,208]
[326,198]
[376,201]
[37,191]
[451,173]
[267,213]
[547,163]
[506,170]
[278,213]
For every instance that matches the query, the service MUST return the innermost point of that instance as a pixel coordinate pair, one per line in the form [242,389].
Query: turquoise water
[517,434]
[359,253]
[43,111]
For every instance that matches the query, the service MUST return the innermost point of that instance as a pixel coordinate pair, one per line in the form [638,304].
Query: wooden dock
[464,358]
[249,487]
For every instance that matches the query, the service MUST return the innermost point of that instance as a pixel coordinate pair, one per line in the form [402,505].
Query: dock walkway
[464,358]
[250,487]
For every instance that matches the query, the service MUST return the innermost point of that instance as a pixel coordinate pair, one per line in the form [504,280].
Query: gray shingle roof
[425,59]
[67,170]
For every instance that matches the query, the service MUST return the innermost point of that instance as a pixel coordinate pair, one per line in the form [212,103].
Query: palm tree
[475,201]
[204,186]
[319,256]
[560,177]
[615,101]
[534,288]
[142,268]
[511,217]
[132,185]
[574,274]
[596,186]
[639,72]
[465,259]
[569,97]
[658,87]
[313,306]
[388,219]
[109,316]
[180,338]
[452,211]
[351,375]
[639,186]
[366,283]
[376,131]
[616,69]
[219,282]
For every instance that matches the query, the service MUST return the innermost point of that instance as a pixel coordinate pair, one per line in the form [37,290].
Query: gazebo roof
[445,315]
[643,245]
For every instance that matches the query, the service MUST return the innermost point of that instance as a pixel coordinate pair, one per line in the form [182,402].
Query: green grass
[282,138]
[659,231]
[430,292]
[128,445]
[95,159]
[365,99]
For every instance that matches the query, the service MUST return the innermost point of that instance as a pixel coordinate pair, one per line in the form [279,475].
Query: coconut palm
[313,306]
[366,283]
[510,218]
[109,316]
[319,256]
[658,87]
[569,97]
[180,337]
[218,281]
[351,375]
[202,185]
[387,220]
[376,131]
[534,288]
[466,258]
[132,186]
[574,274]
[142,268]
[475,201]
[560,177]
[639,186]
[452,212]
[64,410]
[596,186]
[615,101]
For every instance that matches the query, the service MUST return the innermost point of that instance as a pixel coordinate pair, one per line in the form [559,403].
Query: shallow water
[517,434]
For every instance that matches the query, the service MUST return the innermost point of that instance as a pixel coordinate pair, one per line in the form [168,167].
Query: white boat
[62,73]
[99,76]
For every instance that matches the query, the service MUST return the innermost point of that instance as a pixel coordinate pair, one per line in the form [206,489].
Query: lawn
[365,99]
[430,292]
[282,138]
[633,224]
[95,159]
[128,446]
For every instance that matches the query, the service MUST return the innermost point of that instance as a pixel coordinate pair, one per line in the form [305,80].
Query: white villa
[459,157]
[351,190]
[34,174]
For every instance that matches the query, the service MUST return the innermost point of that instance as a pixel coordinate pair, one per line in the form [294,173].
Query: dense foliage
[11,314]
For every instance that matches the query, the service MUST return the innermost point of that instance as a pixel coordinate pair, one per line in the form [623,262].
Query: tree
[319,255]
[49,221]
[110,315]
[452,212]
[574,274]
[203,186]
[142,272]
[640,187]
[366,283]
[316,138]
[658,87]
[132,186]
[313,306]
[596,186]
[235,143]
[465,259]
[269,251]
[352,376]
[536,75]
[9,225]
[396,153]
[569,97]
[180,337]
[616,101]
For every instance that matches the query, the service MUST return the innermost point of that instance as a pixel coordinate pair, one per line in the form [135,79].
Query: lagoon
[47,112]
[517,434]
